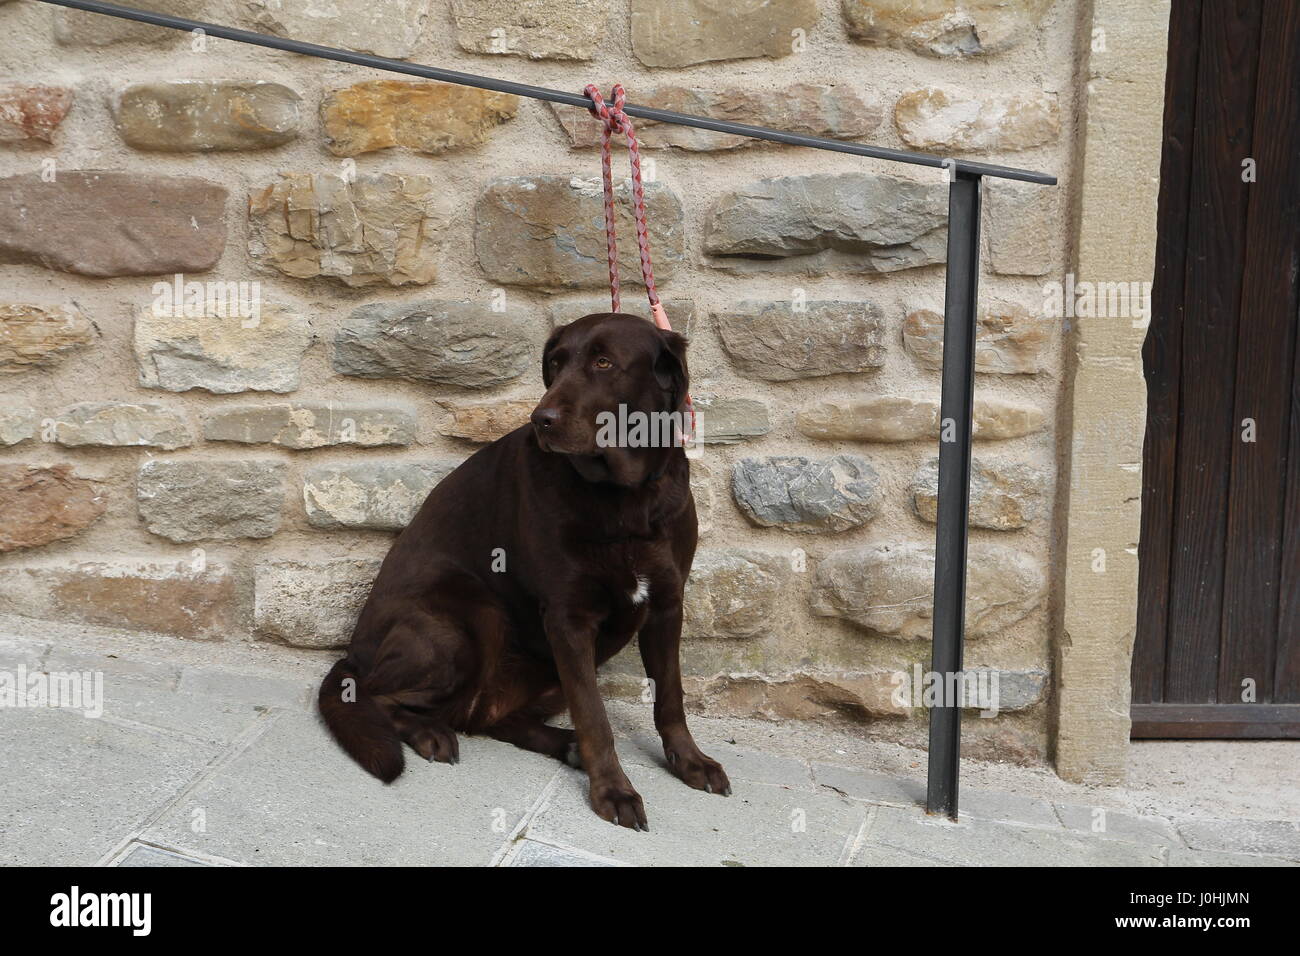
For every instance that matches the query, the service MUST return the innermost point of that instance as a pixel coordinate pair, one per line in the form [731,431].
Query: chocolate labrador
[531,564]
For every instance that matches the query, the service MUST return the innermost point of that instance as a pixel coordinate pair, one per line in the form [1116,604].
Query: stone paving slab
[1272,837]
[74,787]
[115,669]
[253,689]
[294,798]
[872,787]
[14,652]
[907,837]
[907,792]
[533,853]
[740,763]
[758,825]
[1181,856]
[1008,808]
[143,692]
[141,855]
[211,719]
[1117,825]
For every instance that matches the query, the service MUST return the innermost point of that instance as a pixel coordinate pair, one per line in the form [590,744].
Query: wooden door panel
[1286,671]
[1216,233]
[1219,578]
[1265,367]
[1161,351]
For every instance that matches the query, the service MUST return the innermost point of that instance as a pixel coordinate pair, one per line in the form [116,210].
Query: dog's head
[615,396]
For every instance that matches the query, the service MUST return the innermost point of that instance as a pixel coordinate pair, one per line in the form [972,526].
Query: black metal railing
[960,297]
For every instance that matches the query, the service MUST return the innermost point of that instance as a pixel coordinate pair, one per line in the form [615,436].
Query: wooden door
[1218,637]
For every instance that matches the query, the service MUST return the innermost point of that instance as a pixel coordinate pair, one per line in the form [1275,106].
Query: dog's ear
[546,355]
[670,367]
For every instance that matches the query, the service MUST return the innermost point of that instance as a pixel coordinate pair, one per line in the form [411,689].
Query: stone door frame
[1103,415]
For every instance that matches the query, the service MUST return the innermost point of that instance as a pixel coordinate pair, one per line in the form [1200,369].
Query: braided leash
[614,120]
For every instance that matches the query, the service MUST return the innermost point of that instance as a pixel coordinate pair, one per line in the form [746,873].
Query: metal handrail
[553,96]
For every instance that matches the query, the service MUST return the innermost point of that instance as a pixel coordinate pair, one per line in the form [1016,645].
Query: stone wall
[172,462]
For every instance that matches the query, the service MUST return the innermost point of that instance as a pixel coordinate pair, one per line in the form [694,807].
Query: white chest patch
[642,591]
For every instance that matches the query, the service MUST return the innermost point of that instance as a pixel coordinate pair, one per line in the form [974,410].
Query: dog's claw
[698,771]
[620,805]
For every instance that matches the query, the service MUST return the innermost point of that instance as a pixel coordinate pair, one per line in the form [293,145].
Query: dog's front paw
[696,770]
[619,803]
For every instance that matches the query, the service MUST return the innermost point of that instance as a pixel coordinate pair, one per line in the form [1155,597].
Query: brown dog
[527,567]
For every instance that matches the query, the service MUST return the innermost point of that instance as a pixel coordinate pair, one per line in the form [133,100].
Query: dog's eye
[603,362]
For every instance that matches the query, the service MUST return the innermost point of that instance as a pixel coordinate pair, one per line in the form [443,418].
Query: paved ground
[211,755]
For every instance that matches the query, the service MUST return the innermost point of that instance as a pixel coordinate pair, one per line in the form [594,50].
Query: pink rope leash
[614,120]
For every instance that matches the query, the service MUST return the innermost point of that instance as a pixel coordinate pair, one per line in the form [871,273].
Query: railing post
[961,294]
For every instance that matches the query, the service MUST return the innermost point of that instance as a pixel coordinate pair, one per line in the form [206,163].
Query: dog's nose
[545,417]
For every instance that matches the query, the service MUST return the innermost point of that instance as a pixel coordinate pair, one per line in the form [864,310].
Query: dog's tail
[359,724]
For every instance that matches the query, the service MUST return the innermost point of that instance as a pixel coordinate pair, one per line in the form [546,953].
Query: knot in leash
[613,120]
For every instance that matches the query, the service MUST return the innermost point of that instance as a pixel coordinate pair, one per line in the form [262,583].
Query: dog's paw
[619,803]
[436,744]
[698,771]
